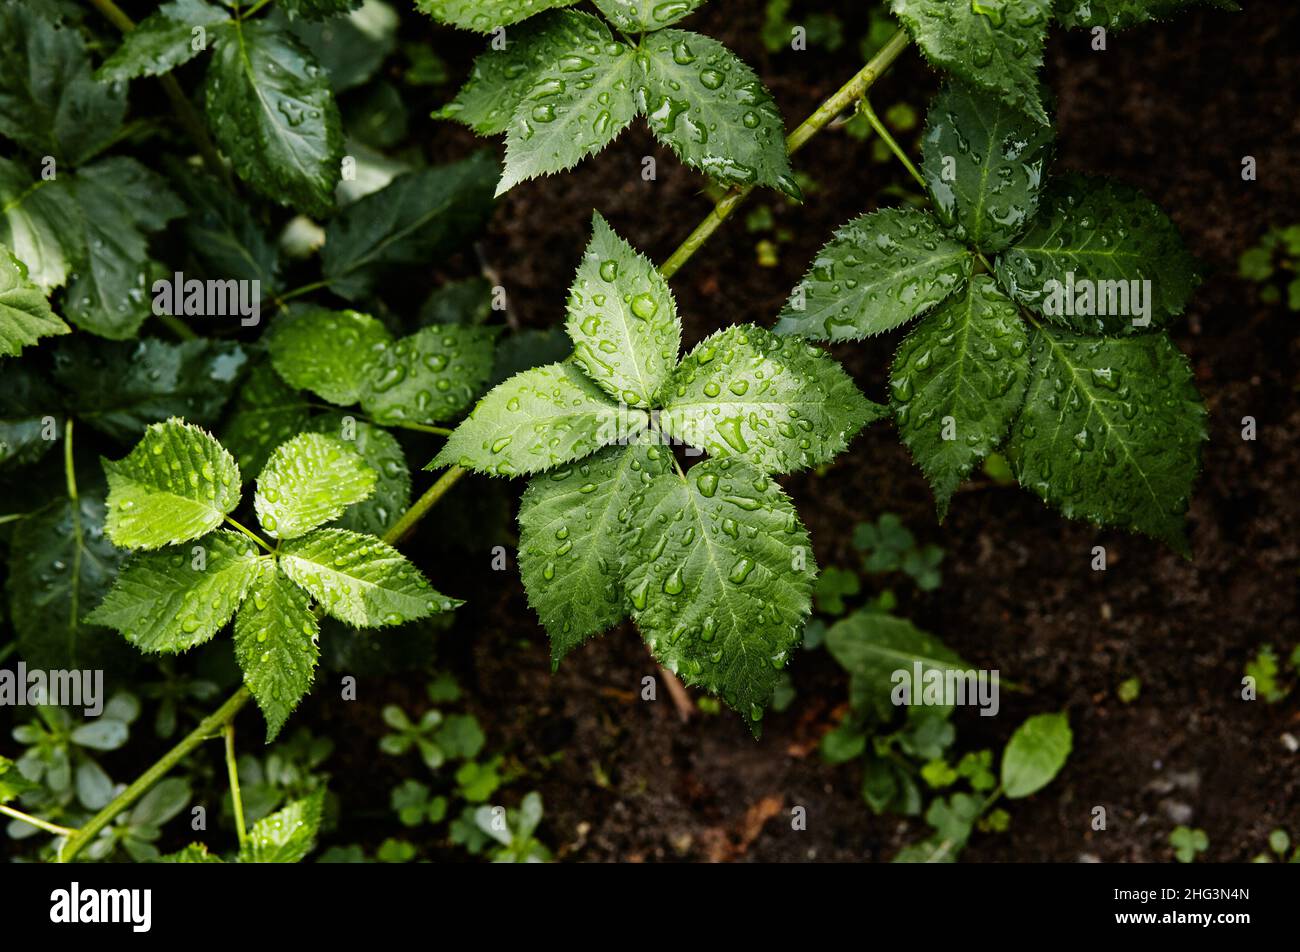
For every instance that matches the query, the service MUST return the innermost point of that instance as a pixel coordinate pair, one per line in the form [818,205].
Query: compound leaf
[622,319]
[485,16]
[777,402]
[879,271]
[431,376]
[958,381]
[1111,431]
[275,644]
[287,835]
[265,414]
[644,16]
[177,484]
[1035,754]
[162,41]
[25,315]
[381,451]
[326,351]
[1118,14]
[309,481]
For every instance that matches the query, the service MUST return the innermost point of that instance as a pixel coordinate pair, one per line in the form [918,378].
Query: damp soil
[1171,108]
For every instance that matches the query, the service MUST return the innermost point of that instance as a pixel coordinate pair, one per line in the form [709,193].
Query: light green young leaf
[872,645]
[1035,754]
[777,402]
[308,482]
[1111,431]
[360,580]
[25,315]
[431,376]
[177,484]
[193,853]
[536,420]
[266,413]
[172,601]
[719,577]
[710,108]
[287,835]
[12,783]
[579,104]
[995,44]
[879,271]
[272,112]
[275,644]
[326,351]
[622,319]
[382,453]
[645,16]
[958,381]
[570,528]
[163,40]
[1118,14]
[1130,253]
[983,162]
[484,16]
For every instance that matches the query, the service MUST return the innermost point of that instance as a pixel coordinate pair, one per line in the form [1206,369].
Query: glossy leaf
[377,513]
[326,352]
[162,41]
[275,644]
[309,481]
[29,422]
[431,376]
[1118,14]
[644,16]
[224,234]
[25,315]
[35,215]
[265,414]
[484,16]
[1035,754]
[872,645]
[287,835]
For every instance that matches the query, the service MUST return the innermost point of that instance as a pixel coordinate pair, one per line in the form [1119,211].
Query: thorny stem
[864,106]
[846,96]
[232,769]
[35,821]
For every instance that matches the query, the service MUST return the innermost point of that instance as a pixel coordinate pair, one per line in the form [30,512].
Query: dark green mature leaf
[1118,14]
[266,413]
[223,234]
[309,481]
[275,644]
[29,415]
[172,601]
[34,217]
[49,102]
[431,376]
[360,580]
[60,567]
[711,109]
[879,271]
[317,9]
[177,484]
[571,524]
[871,646]
[527,349]
[272,112]
[1035,754]
[622,319]
[414,219]
[958,381]
[25,315]
[120,388]
[382,453]
[484,16]
[1092,240]
[164,40]
[287,835]
[352,48]
[719,577]
[541,418]
[1111,431]
[995,44]
[326,352]
[578,105]
[643,16]
[983,163]
[777,402]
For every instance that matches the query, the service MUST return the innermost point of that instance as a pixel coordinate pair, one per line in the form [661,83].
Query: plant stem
[45,825]
[69,476]
[208,727]
[424,428]
[299,292]
[252,535]
[864,106]
[423,505]
[846,96]
[232,769]
[177,326]
[253,9]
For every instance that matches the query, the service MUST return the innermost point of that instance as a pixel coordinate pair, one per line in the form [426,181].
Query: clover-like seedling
[562,87]
[179,485]
[713,564]
[1057,348]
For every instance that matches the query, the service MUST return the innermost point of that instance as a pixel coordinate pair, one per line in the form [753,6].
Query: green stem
[208,727]
[248,532]
[45,825]
[424,428]
[846,96]
[423,505]
[253,9]
[864,106]
[299,292]
[69,475]
[232,769]
[178,327]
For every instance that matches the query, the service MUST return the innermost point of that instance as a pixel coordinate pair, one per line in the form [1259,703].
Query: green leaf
[308,482]
[172,601]
[194,853]
[317,9]
[878,271]
[382,453]
[710,108]
[719,578]
[536,420]
[38,224]
[12,783]
[266,413]
[352,48]
[983,163]
[485,16]
[272,112]
[413,220]
[644,16]
[431,376]
[1111,431]
[326,352]
[275,645]
[28,415]
[360,580]
[958,381]
[222,232]
[287,835]
[571,524]
[579,104]
[622,319]
[871,646]
[162,41]
[777,402]
[1118,14]
[1107,236]
[995,44]
[25,315]
[177,484]
[1035,754]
